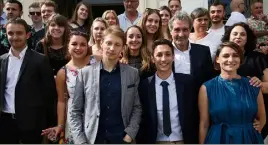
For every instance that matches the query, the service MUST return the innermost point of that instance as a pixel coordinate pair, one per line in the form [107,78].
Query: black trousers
[110,138]
[10,134]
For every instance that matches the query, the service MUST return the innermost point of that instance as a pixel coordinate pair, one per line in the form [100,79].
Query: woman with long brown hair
[82,17]
[65,83]
[166,15]
[151,25]
[54,44]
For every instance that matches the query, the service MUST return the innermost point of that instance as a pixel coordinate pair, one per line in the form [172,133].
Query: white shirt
[3,19]
[235,18]
[14,65]
[176,132]
[124,22]
[182,61]
[219,31]
[212,40]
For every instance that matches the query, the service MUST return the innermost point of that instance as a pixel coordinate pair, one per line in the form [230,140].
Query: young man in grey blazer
[106,106]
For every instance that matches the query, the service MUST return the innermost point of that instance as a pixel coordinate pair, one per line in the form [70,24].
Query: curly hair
[251,37]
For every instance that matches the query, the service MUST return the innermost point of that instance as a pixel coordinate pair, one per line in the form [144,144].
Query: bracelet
[61,126]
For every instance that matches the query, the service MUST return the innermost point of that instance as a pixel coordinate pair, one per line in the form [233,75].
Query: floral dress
[71,75]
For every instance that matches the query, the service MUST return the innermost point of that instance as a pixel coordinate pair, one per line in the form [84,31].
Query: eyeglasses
[35,13]
[152,10]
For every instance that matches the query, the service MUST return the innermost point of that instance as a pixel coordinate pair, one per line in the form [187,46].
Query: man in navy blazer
[190,58]
[167,101]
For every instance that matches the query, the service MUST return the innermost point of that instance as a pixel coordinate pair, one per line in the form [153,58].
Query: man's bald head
[238,5]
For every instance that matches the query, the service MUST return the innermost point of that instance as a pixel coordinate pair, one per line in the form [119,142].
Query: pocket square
[130,86]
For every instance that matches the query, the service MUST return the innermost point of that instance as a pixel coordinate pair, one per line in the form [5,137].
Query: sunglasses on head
[35,13]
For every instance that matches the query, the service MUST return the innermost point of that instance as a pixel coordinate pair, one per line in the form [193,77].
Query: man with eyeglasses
[131,16]
[38,31]
[238,8]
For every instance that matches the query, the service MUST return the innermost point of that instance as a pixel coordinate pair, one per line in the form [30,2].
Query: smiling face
[17,36]
[163,58]
[228,60]
[78,47]
[257,9]
[165,16]
[46,12]
[180,32]
[174,6]
[239,36]
[131,5]
[110,19]
[35,15]
[82,12]
[55,30]
[134,39]
[152,23]
[216,14]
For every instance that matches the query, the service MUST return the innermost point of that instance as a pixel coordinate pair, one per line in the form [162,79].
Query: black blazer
[201,65]
[188,114]
[35,92]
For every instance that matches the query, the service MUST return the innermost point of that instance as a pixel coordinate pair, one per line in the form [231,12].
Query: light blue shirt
[3,19]
[124,22]
[176,134]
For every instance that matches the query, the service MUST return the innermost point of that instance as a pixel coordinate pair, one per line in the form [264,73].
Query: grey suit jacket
[85,108]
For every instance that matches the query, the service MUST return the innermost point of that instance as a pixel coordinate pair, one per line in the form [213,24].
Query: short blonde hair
[116,31]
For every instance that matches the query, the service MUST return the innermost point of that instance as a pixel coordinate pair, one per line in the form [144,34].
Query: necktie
[166,111]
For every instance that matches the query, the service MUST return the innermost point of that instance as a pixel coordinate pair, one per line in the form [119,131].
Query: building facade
[187,5]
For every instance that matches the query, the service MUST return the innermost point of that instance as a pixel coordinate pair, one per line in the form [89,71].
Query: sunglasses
[35,13]
[152,10]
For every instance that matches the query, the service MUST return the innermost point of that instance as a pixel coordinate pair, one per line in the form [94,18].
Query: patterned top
[71,75]
[258,25]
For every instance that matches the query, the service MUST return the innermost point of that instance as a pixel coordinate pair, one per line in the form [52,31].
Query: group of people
[161,76]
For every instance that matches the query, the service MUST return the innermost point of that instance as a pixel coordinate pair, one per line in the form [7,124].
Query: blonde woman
[99,25]
[110,17]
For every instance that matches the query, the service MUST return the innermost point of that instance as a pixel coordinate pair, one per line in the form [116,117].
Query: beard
[216,22]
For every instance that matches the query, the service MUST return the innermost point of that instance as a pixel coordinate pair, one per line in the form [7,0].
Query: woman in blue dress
[231,110]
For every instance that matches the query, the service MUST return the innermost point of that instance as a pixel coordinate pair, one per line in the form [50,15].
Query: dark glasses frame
[35,13]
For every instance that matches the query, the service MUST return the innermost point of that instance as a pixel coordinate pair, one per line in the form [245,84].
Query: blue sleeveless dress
[232,110]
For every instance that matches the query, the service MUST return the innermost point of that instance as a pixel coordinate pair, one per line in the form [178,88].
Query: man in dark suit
[27,89]
[193,59]
[168,102]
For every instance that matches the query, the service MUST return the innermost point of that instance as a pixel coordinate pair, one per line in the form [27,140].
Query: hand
[124,61]
[264,49]
[256,125]
[262,17]
[254,81]
[52,133]
[127,139]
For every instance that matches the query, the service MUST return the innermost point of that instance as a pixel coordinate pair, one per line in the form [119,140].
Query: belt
[170,142]
[9,115]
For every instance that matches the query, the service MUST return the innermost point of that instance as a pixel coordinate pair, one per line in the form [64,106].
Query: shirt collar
[189,46]
[139,15]
[21,55]
[117,67]
[170,79]
[3,16]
